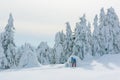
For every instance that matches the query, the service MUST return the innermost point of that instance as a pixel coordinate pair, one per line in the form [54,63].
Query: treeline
[105,39]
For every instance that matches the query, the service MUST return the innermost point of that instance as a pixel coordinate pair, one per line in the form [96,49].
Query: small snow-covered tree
[68,43]
[3,60]
[44,53]
[8,42]
[28,57]
[59,55]
[89,39]
[95,37]
[19,53]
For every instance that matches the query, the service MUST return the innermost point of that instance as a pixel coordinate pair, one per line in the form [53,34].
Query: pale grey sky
[39,20]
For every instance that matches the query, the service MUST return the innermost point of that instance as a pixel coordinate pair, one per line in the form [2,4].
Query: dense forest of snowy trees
[105,39]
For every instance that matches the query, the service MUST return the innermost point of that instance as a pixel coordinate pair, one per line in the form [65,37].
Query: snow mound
[106,67]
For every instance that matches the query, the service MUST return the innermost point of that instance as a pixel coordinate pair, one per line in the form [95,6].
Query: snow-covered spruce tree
[28,57]
[8,43]
[19,53]
[95,38]
[101,36]
[3,60]
[59,54]
[112,32]
[108,36]
[82,36]
[44,53]
[89,39]
[68,43]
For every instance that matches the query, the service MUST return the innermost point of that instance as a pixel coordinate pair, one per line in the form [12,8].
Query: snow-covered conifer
[68,43]
[28,57]
[81,38]
[101,35]
[8,42]
[3,60]
[44,53]
[59,55]
[113,33]
[95,37]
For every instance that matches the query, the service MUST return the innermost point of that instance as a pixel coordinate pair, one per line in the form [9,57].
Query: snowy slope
[105,68]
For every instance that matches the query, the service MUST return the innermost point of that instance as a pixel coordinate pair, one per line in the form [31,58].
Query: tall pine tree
[68,43]
[82,38]
[8,43]
[59,54]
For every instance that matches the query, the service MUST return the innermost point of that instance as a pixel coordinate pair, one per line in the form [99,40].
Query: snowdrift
[106,67]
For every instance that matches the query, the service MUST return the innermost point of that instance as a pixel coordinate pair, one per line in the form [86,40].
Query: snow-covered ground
[105,68]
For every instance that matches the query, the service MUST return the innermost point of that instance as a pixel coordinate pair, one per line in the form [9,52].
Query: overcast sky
[39,20]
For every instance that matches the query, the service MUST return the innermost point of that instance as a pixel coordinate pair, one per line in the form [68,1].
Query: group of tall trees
[105,39]
[106,35]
